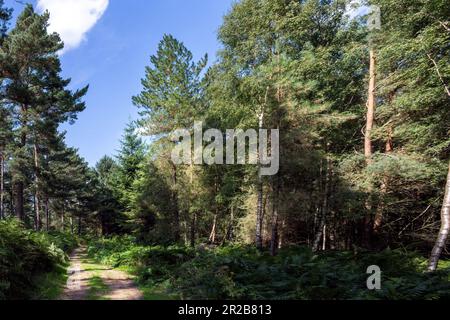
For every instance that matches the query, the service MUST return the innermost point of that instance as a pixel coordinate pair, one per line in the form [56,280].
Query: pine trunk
[323,218]
[193,229]
[177,234]
[47,216]
[445,229]
[378,222]
[368,149]
[371,105]
[18,187]
[260,191]
[80,226]
[18,200]
[229,232]
[275,219]
[36,181]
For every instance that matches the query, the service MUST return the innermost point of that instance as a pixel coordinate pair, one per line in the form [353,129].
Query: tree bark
[193,229]
[80,226]
[177,235]
[368,149]
[445,229]
[275,219]
[18,200]
[212,236]
[378,221]
[47,216]
[36,181]
[63,227]
[230,232]
[260,191]
[2,185]
[371,106]
[323,219]
[18,187]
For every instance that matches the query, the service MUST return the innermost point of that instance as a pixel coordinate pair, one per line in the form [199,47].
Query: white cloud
[73,19]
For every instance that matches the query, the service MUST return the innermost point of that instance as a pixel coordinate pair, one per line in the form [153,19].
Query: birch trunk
[212,236]
[445,228]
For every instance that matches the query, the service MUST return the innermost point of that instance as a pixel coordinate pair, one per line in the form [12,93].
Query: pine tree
[39,97]
[172,98]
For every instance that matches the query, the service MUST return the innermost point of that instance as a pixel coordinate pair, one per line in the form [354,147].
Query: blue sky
[110,43]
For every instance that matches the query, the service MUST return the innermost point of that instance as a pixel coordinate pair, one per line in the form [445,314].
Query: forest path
[91,281]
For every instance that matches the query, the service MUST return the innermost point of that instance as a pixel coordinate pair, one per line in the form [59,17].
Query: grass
[157,292]
[51,285]
[97,289]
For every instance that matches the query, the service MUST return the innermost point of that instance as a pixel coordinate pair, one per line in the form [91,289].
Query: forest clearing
[343,107]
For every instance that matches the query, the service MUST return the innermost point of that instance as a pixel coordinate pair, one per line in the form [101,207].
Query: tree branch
[439,74]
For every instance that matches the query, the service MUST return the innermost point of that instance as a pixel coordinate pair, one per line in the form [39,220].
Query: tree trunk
[47,216]
[212,236]
[378,221]
[80,226]
[2,185]
[229,232]
[63,227]
[371,105]
[36,181]
[275,219]
[19,185]
[323,219]
[177,235]
[445,228]
[368,149]
[259,183]
[282,234]
[193,229]
[18,200]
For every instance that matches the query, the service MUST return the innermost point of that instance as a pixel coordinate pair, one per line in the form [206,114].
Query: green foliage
[25,255]
[239,272]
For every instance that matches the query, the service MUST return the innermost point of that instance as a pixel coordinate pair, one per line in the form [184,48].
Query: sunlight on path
[90,281]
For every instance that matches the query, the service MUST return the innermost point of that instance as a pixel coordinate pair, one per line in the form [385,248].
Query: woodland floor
[91,281]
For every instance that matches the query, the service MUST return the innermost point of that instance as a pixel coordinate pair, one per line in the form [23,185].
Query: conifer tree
[172,97]
[37,94]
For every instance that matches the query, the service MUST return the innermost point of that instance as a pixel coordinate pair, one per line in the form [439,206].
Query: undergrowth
[240,272]
[31,263]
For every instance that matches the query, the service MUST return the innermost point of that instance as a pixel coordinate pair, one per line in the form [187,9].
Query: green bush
[25,254]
